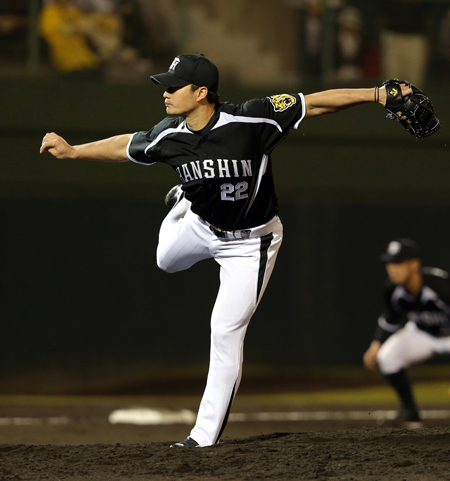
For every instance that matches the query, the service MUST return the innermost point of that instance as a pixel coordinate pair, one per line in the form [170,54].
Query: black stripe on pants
[225,419]
[266,241]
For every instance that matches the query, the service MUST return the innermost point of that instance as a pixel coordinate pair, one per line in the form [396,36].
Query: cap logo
[175,62]
[394,248]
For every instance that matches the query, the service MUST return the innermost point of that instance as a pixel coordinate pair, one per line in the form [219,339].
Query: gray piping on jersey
[225,119]
[181,128]
[303,112]
[131,157]
[435,271]
[262,171]
[429,295]
[386,326]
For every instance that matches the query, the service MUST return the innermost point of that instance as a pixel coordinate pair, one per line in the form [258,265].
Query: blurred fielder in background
[422,296]
[226,208]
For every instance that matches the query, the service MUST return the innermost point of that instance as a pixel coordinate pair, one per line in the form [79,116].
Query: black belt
[230,234]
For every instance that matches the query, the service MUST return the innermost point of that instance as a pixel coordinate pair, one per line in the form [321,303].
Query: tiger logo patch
[282,102]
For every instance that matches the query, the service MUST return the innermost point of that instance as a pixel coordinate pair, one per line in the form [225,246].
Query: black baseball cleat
[187,443]
[406,418]
[174,196]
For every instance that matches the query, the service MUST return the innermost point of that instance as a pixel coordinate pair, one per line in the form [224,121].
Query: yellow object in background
[60,25]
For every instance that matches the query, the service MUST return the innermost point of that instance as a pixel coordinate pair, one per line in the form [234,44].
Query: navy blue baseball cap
[190,69]
[400,250]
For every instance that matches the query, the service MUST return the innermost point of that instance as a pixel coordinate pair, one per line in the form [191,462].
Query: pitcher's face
[180,101]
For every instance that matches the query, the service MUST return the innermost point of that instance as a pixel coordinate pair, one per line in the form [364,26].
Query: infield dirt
[84,446]
[360,454]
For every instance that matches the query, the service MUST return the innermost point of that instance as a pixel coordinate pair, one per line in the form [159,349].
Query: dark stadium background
[81,294]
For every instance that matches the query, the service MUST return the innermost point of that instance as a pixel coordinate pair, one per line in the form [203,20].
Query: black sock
[402,385]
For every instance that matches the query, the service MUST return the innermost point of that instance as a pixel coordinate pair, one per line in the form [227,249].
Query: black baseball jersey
[225,168]
[430,310]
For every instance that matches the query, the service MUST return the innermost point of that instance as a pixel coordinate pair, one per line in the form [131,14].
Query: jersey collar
[207,128]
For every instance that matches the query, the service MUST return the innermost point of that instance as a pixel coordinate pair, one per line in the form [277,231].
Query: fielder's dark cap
[190,69]
[400,250]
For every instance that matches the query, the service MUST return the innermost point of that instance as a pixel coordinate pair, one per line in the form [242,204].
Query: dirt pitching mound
[357,454]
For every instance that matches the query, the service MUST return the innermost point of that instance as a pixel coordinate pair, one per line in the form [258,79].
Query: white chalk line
[26,421]
[332,415]
[146,416]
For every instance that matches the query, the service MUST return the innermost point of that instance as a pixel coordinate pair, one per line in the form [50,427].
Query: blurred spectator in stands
[90,6]
[404,40]
[107,26]
[93,29]
[313,37]
[349,45]
[135,31]
[61,25]
[164,27]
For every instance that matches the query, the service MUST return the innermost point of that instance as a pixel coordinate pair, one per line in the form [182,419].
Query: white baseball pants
[245,269]
[410,345]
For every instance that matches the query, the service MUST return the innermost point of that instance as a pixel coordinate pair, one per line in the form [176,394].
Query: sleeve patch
[282,102]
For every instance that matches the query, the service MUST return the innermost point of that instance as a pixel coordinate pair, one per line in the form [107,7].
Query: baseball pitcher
[226,208]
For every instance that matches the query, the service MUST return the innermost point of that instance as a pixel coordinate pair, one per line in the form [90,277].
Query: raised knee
[161,261]
[165,264]
[164,267]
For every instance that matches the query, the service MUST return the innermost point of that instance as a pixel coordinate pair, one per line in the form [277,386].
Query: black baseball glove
[415,111]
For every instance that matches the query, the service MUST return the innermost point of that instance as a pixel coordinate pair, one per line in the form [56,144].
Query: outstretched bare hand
[56,145]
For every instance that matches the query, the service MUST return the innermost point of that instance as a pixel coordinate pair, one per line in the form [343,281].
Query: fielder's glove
[415,111]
